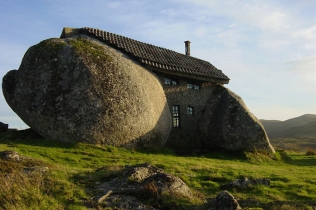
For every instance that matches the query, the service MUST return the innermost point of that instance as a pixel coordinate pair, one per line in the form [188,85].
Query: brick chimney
[187,47]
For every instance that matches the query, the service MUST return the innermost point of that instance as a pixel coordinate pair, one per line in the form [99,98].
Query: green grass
[75,170]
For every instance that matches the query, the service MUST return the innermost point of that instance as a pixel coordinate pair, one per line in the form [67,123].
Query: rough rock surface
[246,183]
[11,155]
[124,202]
[80,90]
[225,201]
[3,127]
[227,123]
[142,181]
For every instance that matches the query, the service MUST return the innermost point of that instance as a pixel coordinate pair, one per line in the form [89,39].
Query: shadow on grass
[222,154]
[300,161]
[216,153]
[288,205]
[30,137]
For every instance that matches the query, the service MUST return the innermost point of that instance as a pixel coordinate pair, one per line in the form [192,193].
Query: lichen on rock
[141,182]
[80,90]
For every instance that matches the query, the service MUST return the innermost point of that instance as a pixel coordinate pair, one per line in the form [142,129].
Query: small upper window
[190,110]
[171,81]
[193,86]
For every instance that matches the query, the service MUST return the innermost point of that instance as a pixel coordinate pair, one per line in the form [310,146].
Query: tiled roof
[158,57]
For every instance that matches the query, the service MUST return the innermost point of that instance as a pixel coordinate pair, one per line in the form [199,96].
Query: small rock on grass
[225,201]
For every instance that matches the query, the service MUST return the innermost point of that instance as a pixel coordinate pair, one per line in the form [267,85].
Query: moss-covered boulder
[81,90]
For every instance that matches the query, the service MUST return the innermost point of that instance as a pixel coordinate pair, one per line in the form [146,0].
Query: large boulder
[81,90]
[227,123]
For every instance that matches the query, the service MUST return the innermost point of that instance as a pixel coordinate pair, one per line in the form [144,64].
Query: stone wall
[220,120]
[187,136]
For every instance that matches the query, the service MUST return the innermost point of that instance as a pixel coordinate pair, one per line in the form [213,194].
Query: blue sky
[266,47]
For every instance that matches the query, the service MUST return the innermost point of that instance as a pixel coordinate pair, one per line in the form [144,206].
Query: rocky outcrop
[246,183]
[11,155]
[227,123]
[80,90]
[125,202]
[139,182]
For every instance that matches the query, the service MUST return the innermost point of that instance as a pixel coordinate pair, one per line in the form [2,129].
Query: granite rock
[80,90]
[139,182]
[247,183]
[225,201]
[227,123]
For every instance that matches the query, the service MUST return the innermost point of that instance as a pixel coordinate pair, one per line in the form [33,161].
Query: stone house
[98,87]
[186,80]
[204,113]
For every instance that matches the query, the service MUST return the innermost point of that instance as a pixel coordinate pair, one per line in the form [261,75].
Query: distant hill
[303,126]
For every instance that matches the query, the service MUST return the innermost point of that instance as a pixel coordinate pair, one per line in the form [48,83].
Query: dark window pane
[176,122]
[175,116]
[196,87]
[190,110]
[170,81]
[193,86]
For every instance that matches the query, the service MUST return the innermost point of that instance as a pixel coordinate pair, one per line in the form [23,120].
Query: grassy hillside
[76,169]
[303,126]
[308,129]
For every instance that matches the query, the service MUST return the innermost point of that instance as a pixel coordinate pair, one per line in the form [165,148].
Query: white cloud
[308,33]
[276,21]
[307,36]
[304,68]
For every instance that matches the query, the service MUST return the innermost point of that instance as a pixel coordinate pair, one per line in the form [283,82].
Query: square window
[174,82]
[167,81]
[190,86]
[190,110]
[171,81]
[193,86]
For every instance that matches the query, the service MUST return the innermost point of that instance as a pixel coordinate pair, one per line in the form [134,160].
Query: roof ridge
[162,59]
[164,48]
